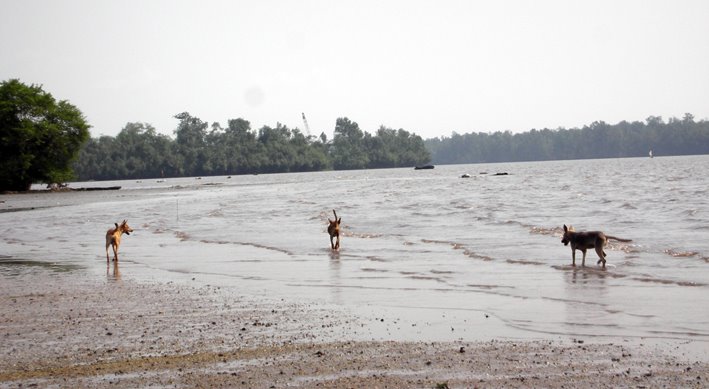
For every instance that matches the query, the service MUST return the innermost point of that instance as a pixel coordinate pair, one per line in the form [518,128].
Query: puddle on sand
[13,267]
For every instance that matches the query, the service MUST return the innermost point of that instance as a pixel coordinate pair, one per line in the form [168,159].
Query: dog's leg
[573,257]
[583,260]
[332,244]
[602,256]
[337,243]
[107,244]
[115,252]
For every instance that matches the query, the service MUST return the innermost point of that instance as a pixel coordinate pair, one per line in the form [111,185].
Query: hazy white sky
[430,67]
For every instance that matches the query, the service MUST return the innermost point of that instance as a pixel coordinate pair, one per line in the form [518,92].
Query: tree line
[675,136]
[201,149]
[46,140]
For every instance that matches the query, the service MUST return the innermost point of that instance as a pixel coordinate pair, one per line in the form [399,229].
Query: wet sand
[65,327]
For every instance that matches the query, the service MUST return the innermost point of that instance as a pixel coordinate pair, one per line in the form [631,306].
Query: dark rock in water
[466,175]
[98,188]
[501,174]
[424,167]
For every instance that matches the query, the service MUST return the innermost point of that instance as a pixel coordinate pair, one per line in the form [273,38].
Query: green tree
[348,146]
[190,136]
[39,136]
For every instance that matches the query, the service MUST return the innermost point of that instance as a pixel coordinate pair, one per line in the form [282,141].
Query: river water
[442,256]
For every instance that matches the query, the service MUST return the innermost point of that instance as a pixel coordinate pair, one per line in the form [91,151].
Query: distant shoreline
[63,189]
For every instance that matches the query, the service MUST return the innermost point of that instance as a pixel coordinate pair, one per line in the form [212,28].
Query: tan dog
[113,238]
[334,230]
[583,240]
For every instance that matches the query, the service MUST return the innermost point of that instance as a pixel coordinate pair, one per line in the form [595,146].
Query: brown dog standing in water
[334,230]
[113,238]
[583,240]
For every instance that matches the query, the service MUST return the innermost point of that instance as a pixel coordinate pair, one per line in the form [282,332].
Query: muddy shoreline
[68,328]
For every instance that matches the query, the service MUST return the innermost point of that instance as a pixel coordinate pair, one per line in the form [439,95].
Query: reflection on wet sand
[583,286]
[336,277]
[116,274]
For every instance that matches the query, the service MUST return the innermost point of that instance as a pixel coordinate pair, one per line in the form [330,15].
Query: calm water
[446,257]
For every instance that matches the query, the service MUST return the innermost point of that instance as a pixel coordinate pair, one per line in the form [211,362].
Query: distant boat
[424,167]
[649,154]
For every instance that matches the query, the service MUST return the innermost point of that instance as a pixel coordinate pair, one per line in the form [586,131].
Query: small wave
[627,248]
[442,272]
[488,287]
[210,241]
[257,245]
[667,282]
[573,301]
[301,201]
[550,231]
[363,235]
[475,255]
[369,269]
[679,334]
[460,246]
[525,262]
[436,241]
[425,278]
[680,253]
[181,235]
[628,206]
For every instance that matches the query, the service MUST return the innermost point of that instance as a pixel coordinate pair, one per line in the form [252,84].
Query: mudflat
[67,328]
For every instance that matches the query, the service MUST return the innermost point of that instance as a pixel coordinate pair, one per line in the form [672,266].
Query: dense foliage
[198,149]
[599,140]
[40,139]
[39,136]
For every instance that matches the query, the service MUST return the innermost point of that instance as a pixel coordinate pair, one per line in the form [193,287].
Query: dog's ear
[125,222]
[116,224]
[339,220]
[566,229]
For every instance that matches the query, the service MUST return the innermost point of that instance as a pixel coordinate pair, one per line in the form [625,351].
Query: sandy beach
[65,327]
[439,281]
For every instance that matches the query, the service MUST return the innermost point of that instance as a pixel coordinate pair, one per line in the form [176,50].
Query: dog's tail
[335,213]
[618,239]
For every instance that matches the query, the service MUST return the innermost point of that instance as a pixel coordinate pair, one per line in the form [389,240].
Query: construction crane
[307,127]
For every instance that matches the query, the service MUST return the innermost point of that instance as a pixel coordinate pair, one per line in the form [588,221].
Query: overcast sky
[429,67]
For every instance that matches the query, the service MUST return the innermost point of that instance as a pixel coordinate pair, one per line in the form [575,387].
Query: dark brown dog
[113,238]
[334,230]
[584,240]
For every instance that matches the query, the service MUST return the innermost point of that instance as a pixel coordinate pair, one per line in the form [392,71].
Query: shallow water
[446,257]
